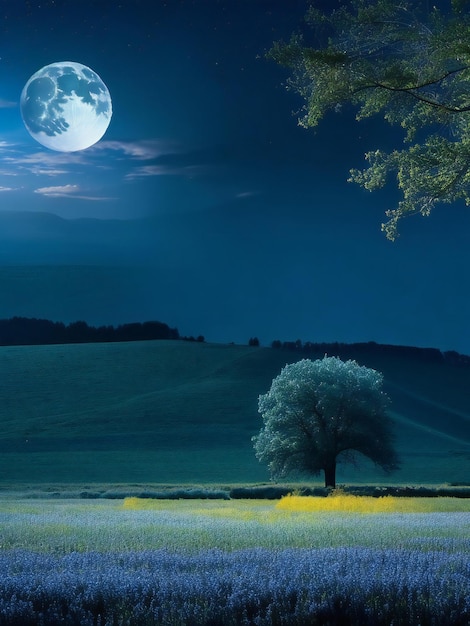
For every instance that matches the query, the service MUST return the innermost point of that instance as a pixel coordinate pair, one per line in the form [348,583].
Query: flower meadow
[341,502]
[139,562]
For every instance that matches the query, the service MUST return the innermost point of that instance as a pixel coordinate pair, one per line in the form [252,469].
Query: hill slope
[177,412]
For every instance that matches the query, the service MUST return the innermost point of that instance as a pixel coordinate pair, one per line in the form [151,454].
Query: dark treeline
[371,347]
[20,331]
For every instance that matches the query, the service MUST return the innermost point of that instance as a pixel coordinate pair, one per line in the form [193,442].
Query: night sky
[205,205]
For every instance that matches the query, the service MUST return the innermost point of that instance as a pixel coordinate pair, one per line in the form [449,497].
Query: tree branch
[411,91]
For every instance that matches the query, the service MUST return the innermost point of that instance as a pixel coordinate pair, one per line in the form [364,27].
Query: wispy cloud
[7,104]
[164,170]
[144,171]
[44,162]
[8,172]
[68,191]
[144,150]
[58,192]
[7,189]
[104,154]
[107,164]
[44,171]
[15,161]
[147,158]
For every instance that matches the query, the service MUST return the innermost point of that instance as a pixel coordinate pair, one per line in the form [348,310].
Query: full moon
[66,106]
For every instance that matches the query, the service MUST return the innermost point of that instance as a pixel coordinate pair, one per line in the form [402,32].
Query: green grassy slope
[177,412]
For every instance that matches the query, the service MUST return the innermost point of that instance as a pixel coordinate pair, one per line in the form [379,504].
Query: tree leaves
[409,65]
[316,411]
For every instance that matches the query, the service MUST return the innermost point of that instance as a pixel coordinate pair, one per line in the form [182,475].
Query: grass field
[141,562]
[184,413]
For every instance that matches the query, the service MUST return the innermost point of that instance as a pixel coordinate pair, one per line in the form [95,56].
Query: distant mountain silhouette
[24,224]
[36,238]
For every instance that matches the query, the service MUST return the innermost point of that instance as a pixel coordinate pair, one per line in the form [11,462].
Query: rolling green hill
[173,412]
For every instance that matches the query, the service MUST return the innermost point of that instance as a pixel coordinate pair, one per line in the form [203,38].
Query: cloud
[105,154]
[164,170]
[46,160]
[67,191]
[39,171]
[59,191]
[107,163]
[188,164]
[6,172]
[16,161]
[140,150]
[7,189]
[7,104]
[144,171]
[163,158]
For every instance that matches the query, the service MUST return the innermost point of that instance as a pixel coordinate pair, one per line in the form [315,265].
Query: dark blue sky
[205,205]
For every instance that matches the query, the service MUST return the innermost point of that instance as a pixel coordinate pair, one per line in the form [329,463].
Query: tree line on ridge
[20,331]
[32,331]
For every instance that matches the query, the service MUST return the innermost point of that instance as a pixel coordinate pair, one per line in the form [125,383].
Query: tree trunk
[330,474]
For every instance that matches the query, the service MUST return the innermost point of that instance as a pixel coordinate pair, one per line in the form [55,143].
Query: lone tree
[318,413]
[409,63]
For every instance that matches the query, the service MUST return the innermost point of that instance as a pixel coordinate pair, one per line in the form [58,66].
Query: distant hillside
[178,412]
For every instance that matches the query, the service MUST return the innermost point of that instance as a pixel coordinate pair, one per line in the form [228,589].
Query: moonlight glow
[66,106]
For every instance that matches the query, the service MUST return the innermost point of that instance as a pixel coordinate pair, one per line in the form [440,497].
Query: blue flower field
[191,563]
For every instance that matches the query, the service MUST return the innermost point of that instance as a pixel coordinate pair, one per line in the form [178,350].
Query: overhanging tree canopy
[411,65]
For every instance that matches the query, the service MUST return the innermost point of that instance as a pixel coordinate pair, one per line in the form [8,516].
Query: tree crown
[411,66]
[316,411]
